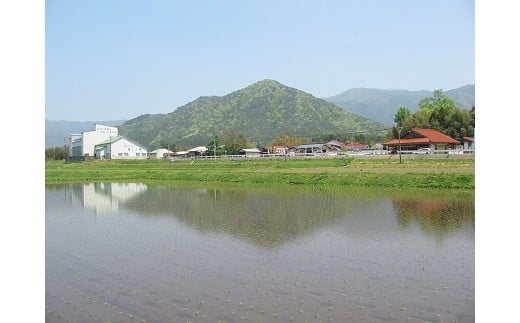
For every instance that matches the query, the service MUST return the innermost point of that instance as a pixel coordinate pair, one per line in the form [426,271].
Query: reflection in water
[434,216]
[265,219]
[247,214]
[205,255]
[103,197]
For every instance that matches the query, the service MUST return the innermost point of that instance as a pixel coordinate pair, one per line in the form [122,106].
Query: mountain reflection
[270,219]
[266,219]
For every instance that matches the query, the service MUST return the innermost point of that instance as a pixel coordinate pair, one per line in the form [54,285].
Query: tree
[215,147]
[289,141]
[56,153]
[462,124]
[440,107]
[234,141]
[168,145]
[402,114]
[441,113]
[420,119]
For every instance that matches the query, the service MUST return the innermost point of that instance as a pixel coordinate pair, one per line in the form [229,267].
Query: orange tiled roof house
[417,138]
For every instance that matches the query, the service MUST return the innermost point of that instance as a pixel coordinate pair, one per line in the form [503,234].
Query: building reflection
[104,197]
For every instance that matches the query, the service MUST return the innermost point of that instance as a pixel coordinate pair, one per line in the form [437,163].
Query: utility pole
[285,148]
[399,132]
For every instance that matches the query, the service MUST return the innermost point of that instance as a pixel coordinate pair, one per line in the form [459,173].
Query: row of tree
[437,112]
[56,153]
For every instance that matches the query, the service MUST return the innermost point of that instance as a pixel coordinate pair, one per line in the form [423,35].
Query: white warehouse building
[104,143]
[119,148]
[82,145]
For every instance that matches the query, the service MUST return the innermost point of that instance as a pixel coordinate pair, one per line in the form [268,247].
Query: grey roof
[116,139]
[110,140]
[198,149]
[161,149]
[312,145]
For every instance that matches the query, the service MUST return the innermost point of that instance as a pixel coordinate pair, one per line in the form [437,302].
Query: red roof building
[421,138]
[354,145]
[336,144]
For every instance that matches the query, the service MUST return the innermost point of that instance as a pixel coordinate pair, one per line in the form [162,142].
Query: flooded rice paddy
[137,253]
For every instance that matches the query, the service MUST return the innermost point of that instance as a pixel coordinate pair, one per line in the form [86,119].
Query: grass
[341,173]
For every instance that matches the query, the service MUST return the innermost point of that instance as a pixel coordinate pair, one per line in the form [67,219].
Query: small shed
[160,153]
[314,148]
[280,150]
[197,151]
[250,152]
[182,153]
[354,145]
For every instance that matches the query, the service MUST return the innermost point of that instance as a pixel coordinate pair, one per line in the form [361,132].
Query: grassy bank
[432,173]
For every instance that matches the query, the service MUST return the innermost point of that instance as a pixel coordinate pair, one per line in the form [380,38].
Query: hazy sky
[118,59]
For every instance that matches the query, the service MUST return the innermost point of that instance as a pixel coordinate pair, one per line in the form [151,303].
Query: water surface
[131,252]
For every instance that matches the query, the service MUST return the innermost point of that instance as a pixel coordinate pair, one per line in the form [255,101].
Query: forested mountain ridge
[381,105]
[262,111]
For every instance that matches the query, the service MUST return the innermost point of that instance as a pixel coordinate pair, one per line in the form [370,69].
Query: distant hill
[463,96]
[261,111]
[56,131]
[381,105]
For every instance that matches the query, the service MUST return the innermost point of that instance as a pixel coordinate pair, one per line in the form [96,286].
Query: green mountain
[261,112]
[381,105]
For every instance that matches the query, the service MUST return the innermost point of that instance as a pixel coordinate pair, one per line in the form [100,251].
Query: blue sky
[118,59]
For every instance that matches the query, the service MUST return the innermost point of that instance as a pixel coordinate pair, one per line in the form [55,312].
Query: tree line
[437,112]
[56,153]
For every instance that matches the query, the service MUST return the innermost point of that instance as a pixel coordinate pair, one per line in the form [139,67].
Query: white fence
[368,153]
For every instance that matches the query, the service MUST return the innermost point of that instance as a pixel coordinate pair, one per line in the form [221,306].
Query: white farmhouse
[82,145]
[119,148]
